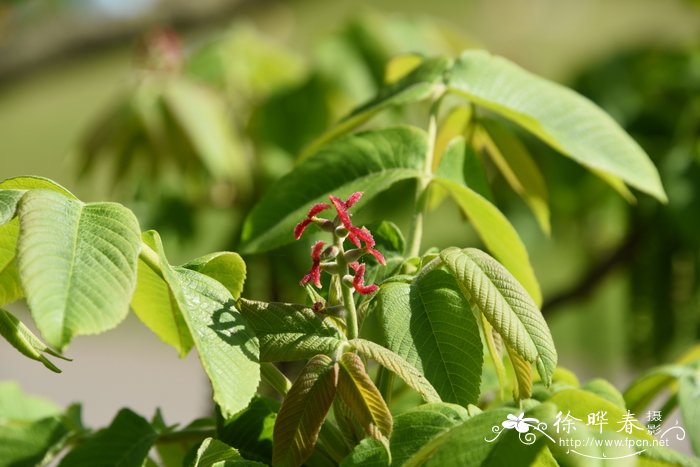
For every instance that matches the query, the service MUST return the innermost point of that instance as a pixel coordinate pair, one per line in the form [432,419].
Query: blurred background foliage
[187,111]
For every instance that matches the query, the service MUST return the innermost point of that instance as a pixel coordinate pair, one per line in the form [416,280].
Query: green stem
[348,299]
[151,258]
[275,378]
[416,233]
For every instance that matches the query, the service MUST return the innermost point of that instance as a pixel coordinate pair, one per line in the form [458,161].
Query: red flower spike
[359,281]
[377,255]
[342,212]
[301,226]
[314,276]
[354,198]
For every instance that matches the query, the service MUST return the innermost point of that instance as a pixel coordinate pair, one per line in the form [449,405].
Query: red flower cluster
[361,237]
[315,274]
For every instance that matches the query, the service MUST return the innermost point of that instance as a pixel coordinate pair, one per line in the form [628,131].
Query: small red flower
[314,276]
[358,281]
[301,226]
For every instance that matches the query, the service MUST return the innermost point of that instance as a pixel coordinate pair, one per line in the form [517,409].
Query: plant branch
[348,299]
[416,233]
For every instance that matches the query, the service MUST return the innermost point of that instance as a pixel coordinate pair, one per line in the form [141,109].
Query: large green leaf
[514,161]
[227,346]
[689,401]
[77,263]
[399,366]
[369,162]
[497,233]
[154,303]
[466,443]
[430,324]
[125,443]
[420,83]
[303,410]
[22,339]
[11,191]
[563,119]
[492,291]
[362,397]
[289,332]
[415,428]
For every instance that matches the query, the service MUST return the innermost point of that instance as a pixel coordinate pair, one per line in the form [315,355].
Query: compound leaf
[429,323]
[492,291]
[399,366]
[560,117]
[496,232]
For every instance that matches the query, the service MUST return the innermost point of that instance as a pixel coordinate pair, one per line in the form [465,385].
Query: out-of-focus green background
[620,281]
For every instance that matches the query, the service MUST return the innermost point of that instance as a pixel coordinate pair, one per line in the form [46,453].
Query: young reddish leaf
[359,393]
[358,281]
[314,276]
[303,410]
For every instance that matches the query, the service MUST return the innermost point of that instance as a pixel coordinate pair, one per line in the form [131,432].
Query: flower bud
[330,253]
[348,280]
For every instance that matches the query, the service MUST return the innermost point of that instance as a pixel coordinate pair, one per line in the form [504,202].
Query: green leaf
[77,263]
[492,291]
[399,366]
[689,401]
[415,428]
[8,204]
[369,162]
[30,444]
[22,339]
[11,191]
[213,452]
[466,443]
[369,452]
[224,266]
[563,119]
[645,388]
[429,323]
[250,431]
[522,370]
[517,166]
[10,284]
[421,83]
[154,303]
[303,410]
[124,443]
[289,332]
[34,183]
[15,405]
[362,397]
[227,346]
[204,120]
[462,165]
[497,233]
[607,391]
